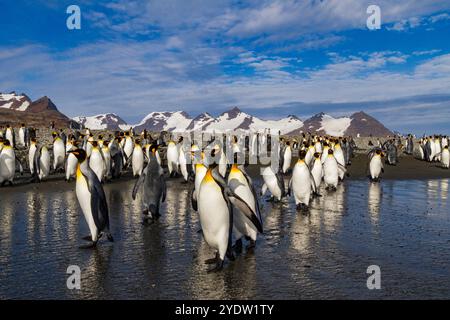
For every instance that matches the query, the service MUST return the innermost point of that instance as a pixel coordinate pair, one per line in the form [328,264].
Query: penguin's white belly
[84,199]
[272,184]
[31,158]
[138,162]
[128,148]
[22,137]
[375,167]
[172,158]
[287,160]
[182,161]
[331,176]
[200,174]
[317,173]
[71,166]
[44,165]
[301,184]
[58,153]
[9,137]
[97,165]
[222,164]
[445,158]
[7,166]
[107,157]
[214,217]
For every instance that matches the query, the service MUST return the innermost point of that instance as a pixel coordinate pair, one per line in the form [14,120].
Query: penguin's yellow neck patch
[234,168]
[79,174]
[208,176]
[300,161]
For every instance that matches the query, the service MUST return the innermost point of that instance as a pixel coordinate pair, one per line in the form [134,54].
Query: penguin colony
[222,193]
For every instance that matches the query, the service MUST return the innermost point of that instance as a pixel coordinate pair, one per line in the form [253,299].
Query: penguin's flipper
[194,199]
[244,208]
[252,188]
[280,182]
[138,184]
[99,206]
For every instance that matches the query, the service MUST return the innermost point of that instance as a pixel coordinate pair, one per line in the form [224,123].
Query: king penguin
[445,157]
[301,183]
[137,161]
[154,187]
[273,181]
[59,152]
[330,171]
[7,164]
[41,167]
[97,162]
[375,164]
[241,184]
[216,215]
[172,158]
[92,200]
[31,152]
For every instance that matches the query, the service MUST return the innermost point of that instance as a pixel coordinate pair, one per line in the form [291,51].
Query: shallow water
[400,225]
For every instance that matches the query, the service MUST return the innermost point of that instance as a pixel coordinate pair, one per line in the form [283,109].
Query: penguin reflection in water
[215,209]
[154,186]
[92,200]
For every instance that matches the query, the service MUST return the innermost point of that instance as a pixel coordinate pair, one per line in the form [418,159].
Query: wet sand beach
[401,224]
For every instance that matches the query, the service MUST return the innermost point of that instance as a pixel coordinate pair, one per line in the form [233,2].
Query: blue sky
[270,58]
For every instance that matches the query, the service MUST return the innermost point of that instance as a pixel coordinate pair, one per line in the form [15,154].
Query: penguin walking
[216,215]
[92,200]
[128,146]
[137,161]
[445,157]
[273,182]
[340,158]
[200,172]
[59,152]
[375,164]
[182,161]
[241,184]
[97,162]
[301,183]
[331,171]
[154,187]
[172,158]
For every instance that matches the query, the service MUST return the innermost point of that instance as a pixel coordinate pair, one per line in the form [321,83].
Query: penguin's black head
[302,154]
[288,143]
[137,141]
[6,143]
[106,143]
[94,144]
[80,154]
[316,155]
[33,140]
[330,151]
[23,125]
[154,148]
[54,134]
[7,126]
[100,137]
[378,152]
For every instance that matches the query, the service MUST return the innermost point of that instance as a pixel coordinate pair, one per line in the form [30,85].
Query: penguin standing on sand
[375,164]
[154,187]
[241,184]
[445,157]
[92,200]
[107,157]
[137,161]
[216,215]
[301,183]
[330,171]
[59,152]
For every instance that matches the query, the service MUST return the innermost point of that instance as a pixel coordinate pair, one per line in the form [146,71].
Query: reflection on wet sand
[319,254]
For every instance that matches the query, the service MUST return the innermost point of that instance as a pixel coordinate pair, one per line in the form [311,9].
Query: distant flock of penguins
[222,192]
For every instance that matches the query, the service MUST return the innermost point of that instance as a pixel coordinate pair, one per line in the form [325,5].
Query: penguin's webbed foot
[218,267]
[213,260]
[251,246]
[91,245]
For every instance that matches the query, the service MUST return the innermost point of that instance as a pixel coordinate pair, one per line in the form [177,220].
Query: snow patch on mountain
[102,122]
[334,126]
[14,101]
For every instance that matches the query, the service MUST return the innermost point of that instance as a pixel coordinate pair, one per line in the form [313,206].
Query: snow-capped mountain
[107,121]
[165,121]
[13,101]
[200,122]
[358,123]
